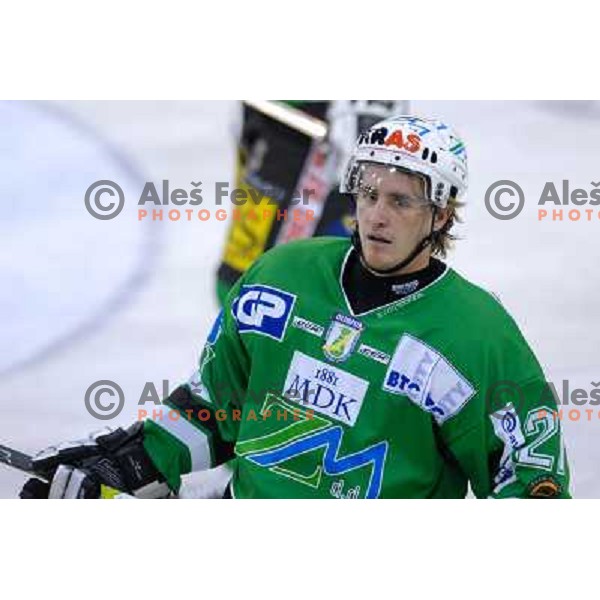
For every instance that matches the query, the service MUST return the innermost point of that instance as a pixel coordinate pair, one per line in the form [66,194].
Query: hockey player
[363,368]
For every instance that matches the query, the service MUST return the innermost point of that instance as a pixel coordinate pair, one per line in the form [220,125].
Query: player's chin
[379,258]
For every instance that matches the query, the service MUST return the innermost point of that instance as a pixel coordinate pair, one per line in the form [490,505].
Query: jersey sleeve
[197,425]
[508,438]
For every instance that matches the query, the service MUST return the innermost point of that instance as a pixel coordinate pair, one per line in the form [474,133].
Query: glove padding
[67,483]
[100,466]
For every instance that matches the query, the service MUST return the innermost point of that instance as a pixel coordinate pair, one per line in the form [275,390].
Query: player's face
[393,217]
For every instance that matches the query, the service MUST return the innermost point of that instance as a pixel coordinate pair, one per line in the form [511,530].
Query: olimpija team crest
[341,338]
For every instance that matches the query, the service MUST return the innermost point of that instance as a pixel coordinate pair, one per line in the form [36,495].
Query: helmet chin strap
[426,241]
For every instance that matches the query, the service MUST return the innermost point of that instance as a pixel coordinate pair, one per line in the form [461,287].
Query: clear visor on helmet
[368,181]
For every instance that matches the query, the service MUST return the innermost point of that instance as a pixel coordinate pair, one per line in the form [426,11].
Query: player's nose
[379,215]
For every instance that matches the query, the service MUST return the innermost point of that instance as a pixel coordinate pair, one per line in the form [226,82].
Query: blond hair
[443,242]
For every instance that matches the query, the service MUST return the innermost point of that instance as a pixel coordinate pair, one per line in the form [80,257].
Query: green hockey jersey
[415,399]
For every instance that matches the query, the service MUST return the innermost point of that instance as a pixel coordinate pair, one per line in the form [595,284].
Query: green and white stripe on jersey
[185,448]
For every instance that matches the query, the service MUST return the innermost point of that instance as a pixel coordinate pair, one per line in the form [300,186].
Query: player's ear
[441,217]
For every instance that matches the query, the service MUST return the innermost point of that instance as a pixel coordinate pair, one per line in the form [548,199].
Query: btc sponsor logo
[427,379]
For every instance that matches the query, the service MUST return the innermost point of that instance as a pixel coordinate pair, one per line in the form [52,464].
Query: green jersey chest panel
[365,391]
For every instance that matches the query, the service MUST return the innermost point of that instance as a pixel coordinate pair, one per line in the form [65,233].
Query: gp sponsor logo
[325,388]
[427,379]
[263,310]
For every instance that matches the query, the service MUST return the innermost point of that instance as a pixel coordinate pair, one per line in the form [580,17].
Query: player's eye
[406,201]
[368,193]
[403,201]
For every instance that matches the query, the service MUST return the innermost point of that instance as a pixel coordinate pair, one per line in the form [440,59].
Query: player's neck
[420,262]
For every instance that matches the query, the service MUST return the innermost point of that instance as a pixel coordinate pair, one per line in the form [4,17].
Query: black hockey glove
[101,466]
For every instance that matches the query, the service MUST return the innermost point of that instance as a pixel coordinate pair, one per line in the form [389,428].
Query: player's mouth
[378,240]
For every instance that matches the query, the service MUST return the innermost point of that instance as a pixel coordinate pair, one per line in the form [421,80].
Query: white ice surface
[117,302]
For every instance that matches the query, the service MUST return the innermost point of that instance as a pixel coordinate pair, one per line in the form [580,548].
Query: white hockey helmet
[427,147]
